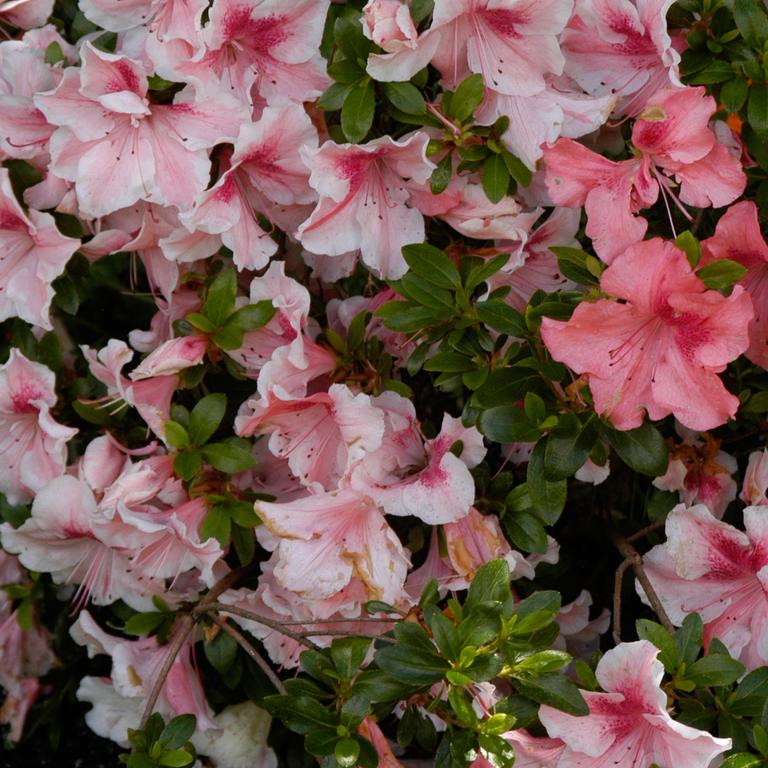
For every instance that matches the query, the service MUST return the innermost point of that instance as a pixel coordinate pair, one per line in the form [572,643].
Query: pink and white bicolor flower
[364,200]
[118,148]
[629,725]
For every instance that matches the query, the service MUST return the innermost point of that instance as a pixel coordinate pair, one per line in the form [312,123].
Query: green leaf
[321,742]
[752,22]
[572,262]
[717,71]
[348,34]
[495,178]
[406,97]
[420,9]
[432,264]
[187,464]
[144,623]
[412,665]
[743,760]
[689,638]
[663,640]
[346,72]
[348,654]
[252,316]
[178,731]
[176,758]
[483,269]
[206,417]
[568,446]
[301,713]
[489,584]
[441,176]
[721,274]
[357,110]
[421,291]
[450,362]
[140,760]
[733,94]
[346,752]
[221,652]
[228,457]
[507,424]
[54,54]
[175,435]
[757,110]
[547,496]
[412,319]
[555,690]
[467,98]
[526,531]
[220,300]
[501,317]
[518,170]
[642,449]
[690,245]
[714,670]
[333,97]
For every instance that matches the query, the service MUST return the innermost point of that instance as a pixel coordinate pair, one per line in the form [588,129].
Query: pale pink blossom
[629,724]
[579,634]
[33,445]
[364,200]
[710,567]
[166,19]
[287,378]
[33,253]
[755,488]
[513,44]
[738,237]
[534,751]
[388,23]
[674,145]
[659,350]
[328,538]
[118,148]
[322,436]
[25,14]
[172,357]
[621,47]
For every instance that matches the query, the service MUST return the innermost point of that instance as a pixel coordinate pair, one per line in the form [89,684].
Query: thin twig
[645,531]
[617,585]
[258,618]
[636,561]
[252,652]
[184,627]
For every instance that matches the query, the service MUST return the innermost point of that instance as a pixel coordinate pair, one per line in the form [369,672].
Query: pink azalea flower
[579,634]
[629,724]
[407,476]
[512,44]
[136,665]
[364,200]
[33,446]
[621,47]
[327,539]
[662,348]
[738,237]
[388,23]
[673,141]
[172,357]
[26,14]
[370,730]
[264,45]
[322,436]
[118,148]
[285,378]
[33,253]
[167,19]
[755,488]
[701,473]
[533,751]
[712,568]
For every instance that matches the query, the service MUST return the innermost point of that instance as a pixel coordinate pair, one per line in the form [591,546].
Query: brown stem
[252,652]
[636,561]
[617,584]
[258,618]
[645,531]
[185,625]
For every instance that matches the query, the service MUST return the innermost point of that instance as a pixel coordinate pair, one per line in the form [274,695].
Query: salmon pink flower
[673,143]
[33,446]
[660,346]
[629,725]
[738,237]
[710,567]
[364,200]
[755,488]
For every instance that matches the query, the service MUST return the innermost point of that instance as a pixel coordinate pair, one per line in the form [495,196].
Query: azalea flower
[629,724]
[710,567]
[673,144]
[658,346]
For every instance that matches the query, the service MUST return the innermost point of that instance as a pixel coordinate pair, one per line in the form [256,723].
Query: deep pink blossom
[629,724]
[660,347]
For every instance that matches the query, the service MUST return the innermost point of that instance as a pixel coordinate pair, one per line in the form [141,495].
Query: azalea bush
[385,383]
